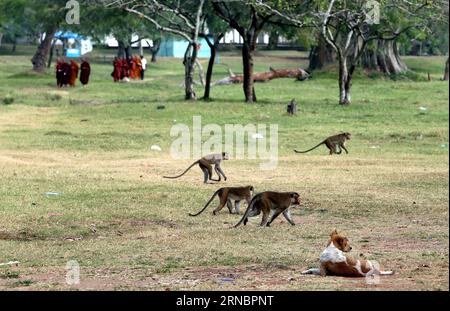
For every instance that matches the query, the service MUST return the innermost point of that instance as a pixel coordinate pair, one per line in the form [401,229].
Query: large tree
[48,16]
[320,55]
[99,22]
[349,27]
[213,30]
[181,18]
[244,17]
[384,55]
[34,18]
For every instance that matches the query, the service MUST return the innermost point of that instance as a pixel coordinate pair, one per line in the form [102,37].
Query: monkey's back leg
[253,211]
[230,206]
[265,208]
[207,171]
[330,147]
[237,207]
[223,200]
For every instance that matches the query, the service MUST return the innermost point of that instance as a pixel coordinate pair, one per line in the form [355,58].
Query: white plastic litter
[155,148]
[10,263]
[257,136]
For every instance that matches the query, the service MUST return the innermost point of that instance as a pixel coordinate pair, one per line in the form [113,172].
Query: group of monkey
[333,260]
[264,202]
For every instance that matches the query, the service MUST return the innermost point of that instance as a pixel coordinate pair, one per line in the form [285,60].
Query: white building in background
[111,42]
[231,37]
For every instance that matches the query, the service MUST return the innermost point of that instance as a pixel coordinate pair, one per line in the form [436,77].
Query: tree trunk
[141,48]
[189,65]
[445,78]
[155,49]
[121,50]
[154,53]
[320,55]
[50,58]
[247,59]
[212,61]
[345,82]
[129,51]
[383,56]
[1,37]
[209,71]
[40,58]
[273,40]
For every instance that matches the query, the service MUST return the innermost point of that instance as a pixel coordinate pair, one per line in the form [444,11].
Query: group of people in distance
[131,68]
[67,72]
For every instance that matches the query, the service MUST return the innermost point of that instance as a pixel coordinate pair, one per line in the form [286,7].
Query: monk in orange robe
[73,73]
[133,68]
[66,73]
[85,72]
[125,69]
[116,74]
[137,61]
[59,72]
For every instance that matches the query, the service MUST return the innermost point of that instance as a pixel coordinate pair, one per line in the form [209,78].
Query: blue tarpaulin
[82,45]
[68,35]
[177,47]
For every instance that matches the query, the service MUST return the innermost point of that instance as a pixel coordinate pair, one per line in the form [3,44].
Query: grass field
[128,228]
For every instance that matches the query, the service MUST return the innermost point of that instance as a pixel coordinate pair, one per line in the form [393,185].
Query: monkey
[265,202]
[226,194]
[333,143]
[205,165]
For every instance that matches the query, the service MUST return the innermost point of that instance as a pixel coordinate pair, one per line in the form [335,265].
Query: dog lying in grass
[334,261]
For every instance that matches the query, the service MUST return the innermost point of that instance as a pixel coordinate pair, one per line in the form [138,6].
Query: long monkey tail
[210,200]
[247,212]
[174,177]
[311,148]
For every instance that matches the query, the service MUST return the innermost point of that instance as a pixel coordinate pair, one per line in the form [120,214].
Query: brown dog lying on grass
[334,261]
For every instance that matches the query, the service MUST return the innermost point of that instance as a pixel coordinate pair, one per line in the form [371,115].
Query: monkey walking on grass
[333,143]
[226,195]
[205,165]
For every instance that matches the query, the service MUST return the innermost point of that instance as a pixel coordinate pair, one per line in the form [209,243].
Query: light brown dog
[334,261]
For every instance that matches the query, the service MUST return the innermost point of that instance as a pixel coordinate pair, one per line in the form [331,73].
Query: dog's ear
[334,233]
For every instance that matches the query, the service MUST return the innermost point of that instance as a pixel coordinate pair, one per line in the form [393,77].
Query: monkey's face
[348,135]
[225,156]
[340,241]
[295,198]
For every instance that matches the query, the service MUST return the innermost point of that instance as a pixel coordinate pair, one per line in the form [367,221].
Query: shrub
[8,100]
